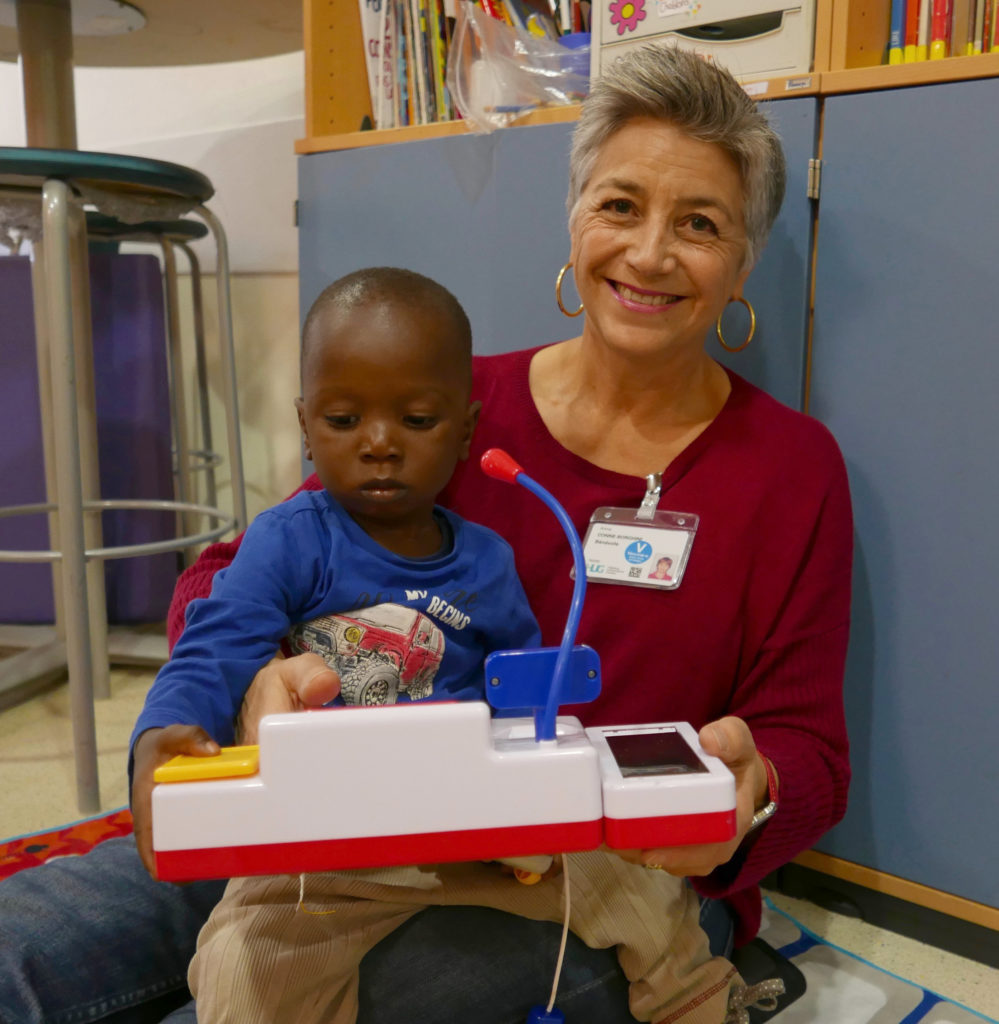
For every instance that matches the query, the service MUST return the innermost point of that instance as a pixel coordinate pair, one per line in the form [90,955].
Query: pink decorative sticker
[626,14]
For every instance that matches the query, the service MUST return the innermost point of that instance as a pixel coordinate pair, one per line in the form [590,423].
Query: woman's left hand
[730,740]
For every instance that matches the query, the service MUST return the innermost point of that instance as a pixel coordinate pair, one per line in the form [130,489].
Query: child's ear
[471,419]
[300,408]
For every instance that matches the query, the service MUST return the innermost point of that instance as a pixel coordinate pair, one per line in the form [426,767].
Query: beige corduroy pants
[262,958]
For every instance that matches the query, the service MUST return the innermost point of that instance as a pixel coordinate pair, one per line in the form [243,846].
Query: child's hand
[153,748]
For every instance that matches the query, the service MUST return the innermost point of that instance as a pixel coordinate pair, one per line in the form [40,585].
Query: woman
[675,180]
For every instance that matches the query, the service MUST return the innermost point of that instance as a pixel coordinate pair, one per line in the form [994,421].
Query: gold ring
[654,867]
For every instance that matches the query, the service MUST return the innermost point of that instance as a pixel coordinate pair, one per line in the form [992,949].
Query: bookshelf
[850,41]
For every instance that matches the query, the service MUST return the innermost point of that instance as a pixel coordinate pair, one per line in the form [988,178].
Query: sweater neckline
[719,427]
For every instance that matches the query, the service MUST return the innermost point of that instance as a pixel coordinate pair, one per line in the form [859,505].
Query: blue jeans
[93,938]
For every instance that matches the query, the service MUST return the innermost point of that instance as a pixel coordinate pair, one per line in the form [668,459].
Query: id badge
[651,551]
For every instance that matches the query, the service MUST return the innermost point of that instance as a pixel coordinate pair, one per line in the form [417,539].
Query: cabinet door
[485,215]
[904,373]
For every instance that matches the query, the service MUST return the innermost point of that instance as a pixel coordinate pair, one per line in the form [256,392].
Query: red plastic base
[376,851]
[673,830]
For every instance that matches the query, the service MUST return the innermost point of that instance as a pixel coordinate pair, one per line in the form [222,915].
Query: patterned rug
[840,988]
[70,840]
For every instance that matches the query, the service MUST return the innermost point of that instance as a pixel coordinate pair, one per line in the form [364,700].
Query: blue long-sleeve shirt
[394,628]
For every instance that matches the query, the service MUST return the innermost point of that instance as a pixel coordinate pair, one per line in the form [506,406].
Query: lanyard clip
[653,489]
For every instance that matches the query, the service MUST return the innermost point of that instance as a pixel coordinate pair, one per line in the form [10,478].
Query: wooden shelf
[442,129]
[924,72]
[769,89]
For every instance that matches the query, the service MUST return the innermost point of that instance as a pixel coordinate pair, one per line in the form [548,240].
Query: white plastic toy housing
[423,783]
[660,788]
[368,787]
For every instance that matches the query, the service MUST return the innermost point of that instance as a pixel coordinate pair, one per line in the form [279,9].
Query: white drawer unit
[754,39]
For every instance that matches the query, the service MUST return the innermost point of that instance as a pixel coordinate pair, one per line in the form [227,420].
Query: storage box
[754,39]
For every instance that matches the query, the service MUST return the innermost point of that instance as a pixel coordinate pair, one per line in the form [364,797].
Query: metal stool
[170,235]
[132,190]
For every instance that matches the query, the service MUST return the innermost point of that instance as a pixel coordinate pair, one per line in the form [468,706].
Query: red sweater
[758,626]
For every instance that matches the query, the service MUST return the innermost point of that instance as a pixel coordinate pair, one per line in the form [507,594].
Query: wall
[237,124]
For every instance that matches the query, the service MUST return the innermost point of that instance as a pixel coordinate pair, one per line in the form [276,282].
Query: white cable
[565,930]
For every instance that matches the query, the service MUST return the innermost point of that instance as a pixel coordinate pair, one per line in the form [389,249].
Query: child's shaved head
[395,287]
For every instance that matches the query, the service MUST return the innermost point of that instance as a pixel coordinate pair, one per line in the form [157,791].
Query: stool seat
[31,167]
[100,225]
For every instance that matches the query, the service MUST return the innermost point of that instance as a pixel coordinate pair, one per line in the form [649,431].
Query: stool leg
[86,407]
[228,367]
[44,365]
[198,317]
[59,295]
[178,399]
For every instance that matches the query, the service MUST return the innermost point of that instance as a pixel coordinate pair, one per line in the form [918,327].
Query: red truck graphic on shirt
[378,652]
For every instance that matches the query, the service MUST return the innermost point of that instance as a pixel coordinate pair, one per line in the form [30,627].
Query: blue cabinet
[905,372]
[485,215]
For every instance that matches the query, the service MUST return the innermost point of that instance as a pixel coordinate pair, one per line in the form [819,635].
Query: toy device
[427,782]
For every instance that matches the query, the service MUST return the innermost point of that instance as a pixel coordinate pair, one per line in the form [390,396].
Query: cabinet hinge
[294,214]
[814,178]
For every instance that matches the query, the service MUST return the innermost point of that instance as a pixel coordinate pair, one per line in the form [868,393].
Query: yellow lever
[229,763]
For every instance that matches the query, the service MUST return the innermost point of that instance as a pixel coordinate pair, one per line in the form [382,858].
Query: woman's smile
[642,300]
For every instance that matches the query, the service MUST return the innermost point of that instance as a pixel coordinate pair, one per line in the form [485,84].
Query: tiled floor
[37,792]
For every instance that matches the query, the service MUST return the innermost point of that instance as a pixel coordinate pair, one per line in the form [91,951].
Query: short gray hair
[680,88]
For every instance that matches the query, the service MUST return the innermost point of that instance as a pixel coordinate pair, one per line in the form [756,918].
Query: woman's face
[658,240]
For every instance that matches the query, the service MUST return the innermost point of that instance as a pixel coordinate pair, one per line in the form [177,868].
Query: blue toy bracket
[547,677]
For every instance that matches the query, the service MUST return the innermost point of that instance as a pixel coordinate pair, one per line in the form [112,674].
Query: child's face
[385,413]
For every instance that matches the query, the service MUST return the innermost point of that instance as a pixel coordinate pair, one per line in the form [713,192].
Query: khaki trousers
[261,958]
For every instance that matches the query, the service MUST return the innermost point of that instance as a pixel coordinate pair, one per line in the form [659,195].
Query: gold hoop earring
[558,292]
[752,328]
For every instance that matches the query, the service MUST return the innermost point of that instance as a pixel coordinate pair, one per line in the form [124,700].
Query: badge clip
[653,491]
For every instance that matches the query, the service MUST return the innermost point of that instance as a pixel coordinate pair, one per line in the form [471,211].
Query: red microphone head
[498,464]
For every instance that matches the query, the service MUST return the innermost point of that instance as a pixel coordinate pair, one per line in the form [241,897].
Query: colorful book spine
[385,101]
[962,23]
[939,27]
[978,34]
[896,35]
[911,30]
[416,29]
[994,48]
[970,41]
[923,45]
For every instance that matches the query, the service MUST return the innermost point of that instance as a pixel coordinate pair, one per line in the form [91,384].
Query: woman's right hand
[286,684]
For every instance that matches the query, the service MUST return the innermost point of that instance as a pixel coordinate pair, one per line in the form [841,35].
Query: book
[977,36]
[534,17]
[923,43]
[417,70]
[962,27]
[939,28]
[373,34]
[911,30]
[384,102]
[896,32]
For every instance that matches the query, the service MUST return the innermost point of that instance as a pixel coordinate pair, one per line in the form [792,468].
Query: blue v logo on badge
[638,551]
